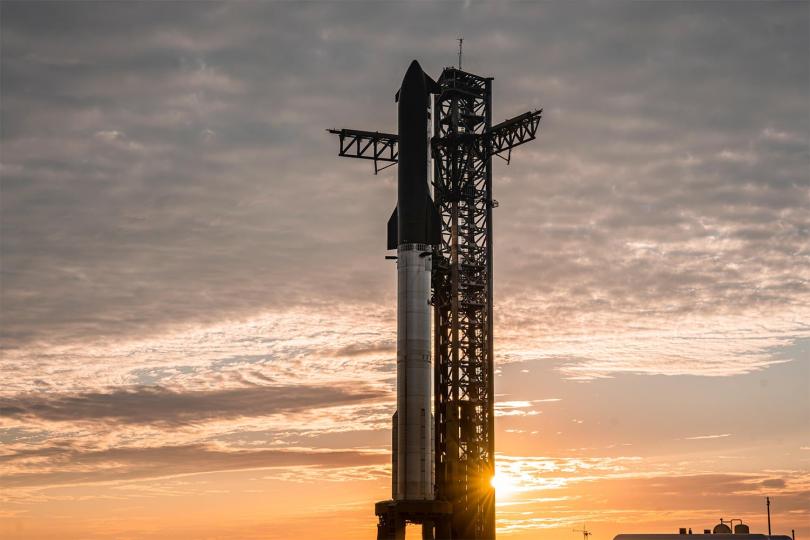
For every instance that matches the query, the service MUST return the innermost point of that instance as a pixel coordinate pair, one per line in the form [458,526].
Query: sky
[197,316]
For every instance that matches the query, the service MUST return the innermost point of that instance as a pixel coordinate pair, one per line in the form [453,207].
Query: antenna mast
[585,532]
[460,43]
[768,506]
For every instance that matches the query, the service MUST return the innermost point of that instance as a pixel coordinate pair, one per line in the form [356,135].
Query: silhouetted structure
[462,502]
[726,529]
[584,530]
[768,507]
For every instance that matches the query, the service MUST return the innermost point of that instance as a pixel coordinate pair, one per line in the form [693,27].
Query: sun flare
[503,484]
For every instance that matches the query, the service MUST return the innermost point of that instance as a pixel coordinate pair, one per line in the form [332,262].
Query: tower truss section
[462,298]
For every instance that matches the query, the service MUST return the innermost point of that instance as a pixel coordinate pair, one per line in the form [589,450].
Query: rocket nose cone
[414,73]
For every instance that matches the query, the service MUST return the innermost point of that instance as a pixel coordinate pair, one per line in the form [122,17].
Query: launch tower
[463,144]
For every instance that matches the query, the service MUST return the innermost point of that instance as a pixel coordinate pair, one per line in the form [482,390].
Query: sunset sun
[503,484]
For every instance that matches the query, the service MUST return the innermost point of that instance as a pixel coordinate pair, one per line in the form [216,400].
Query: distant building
[740,531]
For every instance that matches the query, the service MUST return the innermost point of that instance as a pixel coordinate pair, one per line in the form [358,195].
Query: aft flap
[433,224]
[432,86]
[393,230]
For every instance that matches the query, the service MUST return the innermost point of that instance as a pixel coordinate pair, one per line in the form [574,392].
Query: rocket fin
[393,230]
[432,86]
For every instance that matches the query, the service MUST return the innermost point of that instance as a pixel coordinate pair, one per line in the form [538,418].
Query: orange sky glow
[197,319]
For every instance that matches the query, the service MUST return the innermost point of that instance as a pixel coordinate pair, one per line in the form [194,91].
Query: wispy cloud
[700,437]
[69,464]
[156,405]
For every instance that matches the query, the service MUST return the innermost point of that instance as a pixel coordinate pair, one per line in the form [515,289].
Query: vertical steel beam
[490,502]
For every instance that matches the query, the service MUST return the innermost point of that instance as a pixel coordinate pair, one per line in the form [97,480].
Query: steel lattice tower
[462,285]
[463,144]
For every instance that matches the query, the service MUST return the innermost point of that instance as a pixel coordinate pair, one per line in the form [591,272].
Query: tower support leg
[432,515]
[443,529]
[427,530]
[391,527]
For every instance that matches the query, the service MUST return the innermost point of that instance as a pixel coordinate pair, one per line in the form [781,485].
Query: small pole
[793,533]
[460,42]
[768,506]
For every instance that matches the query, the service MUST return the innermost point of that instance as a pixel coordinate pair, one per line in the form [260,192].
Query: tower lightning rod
[460,43]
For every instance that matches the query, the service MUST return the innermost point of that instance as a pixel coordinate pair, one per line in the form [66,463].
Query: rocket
[413,230]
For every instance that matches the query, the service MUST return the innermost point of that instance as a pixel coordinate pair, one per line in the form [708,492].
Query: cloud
[607,345]
[549,492]
[701,437]
[156,405]
[521,407]
[125,221]
[68,464]
[312,346]
[774,483]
